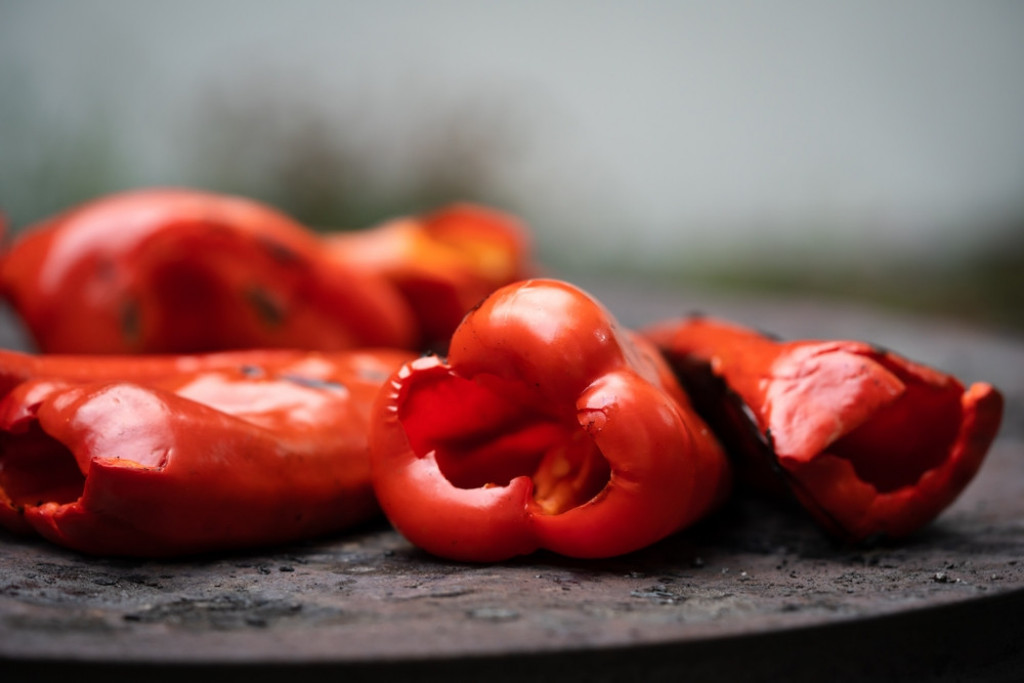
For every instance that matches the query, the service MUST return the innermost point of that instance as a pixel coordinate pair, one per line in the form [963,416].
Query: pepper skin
[871,444]
[444,262]
[548,427]
[17,367]
[186,271]
[229,456]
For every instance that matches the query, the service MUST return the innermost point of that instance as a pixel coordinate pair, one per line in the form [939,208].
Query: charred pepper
[870,443]
[184,271]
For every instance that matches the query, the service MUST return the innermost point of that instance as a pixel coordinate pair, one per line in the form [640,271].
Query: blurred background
[869,151]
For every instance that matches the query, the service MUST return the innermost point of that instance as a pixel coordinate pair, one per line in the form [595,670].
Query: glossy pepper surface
[872,444]
[548,426]
[184,271]
[443,262]
[243,450]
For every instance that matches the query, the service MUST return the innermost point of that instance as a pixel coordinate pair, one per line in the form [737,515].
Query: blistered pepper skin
[176,462]
[443,262]
[547,427]
[173,270]
[871,444]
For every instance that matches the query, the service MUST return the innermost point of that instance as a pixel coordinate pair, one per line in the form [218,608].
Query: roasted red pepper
[183,271]
[550,427]
[443,262]
[870,443]
[242,450]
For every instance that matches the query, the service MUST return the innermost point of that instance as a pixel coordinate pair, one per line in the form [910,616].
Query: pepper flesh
[250,449]
[185,271]
[443,262]
[870,443]
[549,427]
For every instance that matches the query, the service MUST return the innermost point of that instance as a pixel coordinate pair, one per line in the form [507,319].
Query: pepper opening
[35,468]
[486,432]
[902,441]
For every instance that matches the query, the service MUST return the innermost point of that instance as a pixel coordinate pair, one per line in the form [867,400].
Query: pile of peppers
[212,375]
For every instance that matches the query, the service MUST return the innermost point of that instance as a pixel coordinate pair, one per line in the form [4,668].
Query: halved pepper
[184,271]
[444,262]
[248,449]
[870,443]
[549,426]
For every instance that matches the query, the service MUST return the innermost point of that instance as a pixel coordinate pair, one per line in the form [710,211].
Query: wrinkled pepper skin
[444,262]
[186,271]
[548,427]
[871,444]
[174,463]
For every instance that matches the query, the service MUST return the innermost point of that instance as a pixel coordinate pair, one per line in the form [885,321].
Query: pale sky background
[642,130]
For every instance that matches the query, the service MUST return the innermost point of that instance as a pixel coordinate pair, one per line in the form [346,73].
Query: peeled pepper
[167,456]
[548,426]
[870,443]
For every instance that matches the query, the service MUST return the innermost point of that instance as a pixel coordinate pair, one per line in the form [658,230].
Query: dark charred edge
[733,422]
[751,451]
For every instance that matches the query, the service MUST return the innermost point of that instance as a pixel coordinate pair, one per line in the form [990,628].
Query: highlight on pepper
[548,426]
[870,443]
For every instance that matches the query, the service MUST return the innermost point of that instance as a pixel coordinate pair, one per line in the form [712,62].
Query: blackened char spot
[271,312]
[253,371]
[131,323]
[282,254]
[313,382]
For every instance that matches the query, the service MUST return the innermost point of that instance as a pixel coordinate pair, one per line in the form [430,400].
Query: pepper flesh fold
[185,271]
[870,443]
[182,455]
[548,427]
[443,262]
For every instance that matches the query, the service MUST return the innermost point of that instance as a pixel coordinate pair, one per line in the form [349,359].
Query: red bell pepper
[548,426]
[245,449]
[870,443]
[443,262]
[183,271]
